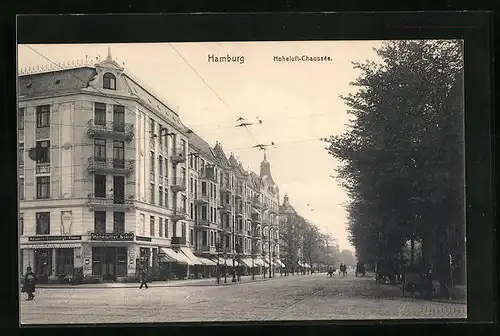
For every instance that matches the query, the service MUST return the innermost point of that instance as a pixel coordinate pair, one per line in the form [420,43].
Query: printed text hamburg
[303,58]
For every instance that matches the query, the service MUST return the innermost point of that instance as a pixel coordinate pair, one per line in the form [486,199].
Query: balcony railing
[203,222]
[178,241]
[110,165]
[178,184]
[43,168]
[202,199]
[179,214]
[110,201]
[178,155]
[256,218]
[226,207]
[118,130]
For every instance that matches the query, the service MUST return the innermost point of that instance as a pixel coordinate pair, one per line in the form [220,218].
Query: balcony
[203,222]
[110,129]
[256,218]
[201,199]
[205,248]
[226,208]
[178,156]
[179,214]
[110,166]
[178,241]
[178,184]
[256,203]
[110,202]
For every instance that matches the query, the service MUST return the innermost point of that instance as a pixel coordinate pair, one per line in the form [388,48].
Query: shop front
[177,263]
[110,255]
[51,262]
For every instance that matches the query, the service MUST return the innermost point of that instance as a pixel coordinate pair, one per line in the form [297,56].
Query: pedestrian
[144,279]
[29,284]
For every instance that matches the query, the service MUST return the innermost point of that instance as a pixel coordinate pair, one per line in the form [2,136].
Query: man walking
[29,284]
[144,278]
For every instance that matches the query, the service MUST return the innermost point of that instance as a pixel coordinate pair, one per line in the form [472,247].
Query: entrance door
[109,264]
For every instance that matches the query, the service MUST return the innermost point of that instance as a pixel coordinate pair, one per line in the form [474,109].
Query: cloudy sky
[298,103]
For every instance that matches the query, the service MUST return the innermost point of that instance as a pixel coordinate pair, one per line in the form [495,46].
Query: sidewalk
[170,283]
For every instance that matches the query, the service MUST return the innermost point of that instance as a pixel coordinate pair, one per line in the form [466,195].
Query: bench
[416,283]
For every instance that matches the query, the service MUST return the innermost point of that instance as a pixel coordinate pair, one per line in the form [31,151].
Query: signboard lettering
[146,239]
[53,238]
[113,236]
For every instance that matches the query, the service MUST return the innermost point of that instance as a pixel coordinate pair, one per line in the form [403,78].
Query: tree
[347,257]
[402,157]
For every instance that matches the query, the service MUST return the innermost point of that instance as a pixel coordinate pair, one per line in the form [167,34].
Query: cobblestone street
[303,297]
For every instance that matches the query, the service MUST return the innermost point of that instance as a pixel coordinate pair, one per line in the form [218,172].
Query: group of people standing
[342,270]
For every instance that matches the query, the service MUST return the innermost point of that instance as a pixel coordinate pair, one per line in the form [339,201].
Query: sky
[297,102]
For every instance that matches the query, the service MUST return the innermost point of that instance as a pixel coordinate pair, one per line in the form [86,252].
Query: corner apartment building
[107,192]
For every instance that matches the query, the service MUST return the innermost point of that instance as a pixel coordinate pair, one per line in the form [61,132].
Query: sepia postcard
[241,181]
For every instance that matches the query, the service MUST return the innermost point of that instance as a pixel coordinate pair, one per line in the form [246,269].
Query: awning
[306,265]
[194,259]
[300,264]
[247,262]
[259,262]
[280,263]
[207,262]
[49,246]
[165,258]
[178,256]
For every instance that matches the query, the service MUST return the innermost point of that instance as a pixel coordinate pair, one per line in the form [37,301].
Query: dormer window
[109,81]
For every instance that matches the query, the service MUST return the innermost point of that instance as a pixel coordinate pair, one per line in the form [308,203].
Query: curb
[152,285]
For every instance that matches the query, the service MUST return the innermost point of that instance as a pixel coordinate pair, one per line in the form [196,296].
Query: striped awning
[259,262]
[194,259]
[247,262]
[49,246]
[280,263]
[178,256]
[207,262]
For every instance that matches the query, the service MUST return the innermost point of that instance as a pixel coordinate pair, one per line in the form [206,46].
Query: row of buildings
[111,180]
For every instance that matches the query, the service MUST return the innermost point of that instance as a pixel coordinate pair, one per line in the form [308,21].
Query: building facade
[111,181]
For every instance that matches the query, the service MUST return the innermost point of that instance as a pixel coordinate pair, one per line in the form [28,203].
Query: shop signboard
[53,238]
[145,239]
[112,236]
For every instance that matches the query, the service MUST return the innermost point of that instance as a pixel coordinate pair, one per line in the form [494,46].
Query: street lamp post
[218,247]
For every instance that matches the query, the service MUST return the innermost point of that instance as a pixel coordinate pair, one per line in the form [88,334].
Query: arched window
[109,81]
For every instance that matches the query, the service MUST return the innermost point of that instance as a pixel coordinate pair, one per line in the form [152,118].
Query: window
[191,236]
[109,81]
[183,175]
[20,118]
[204,212]
[43,151]
[160,166]
[100,149]
[183,232]
[151,226]
[99,221]
[183,146]
[119,189]
[43,187]
[151,127]
[152,163]
[166,228]
[99,185]
[166,167]
[21,224]
[21,188]
[204,238]
[43,116]
[160,135]
[64,261]
[118,154]
[160,227]
[160,196]
[99,114]
[166,197]
[42,223]
[118,222]
[142,224]
[184,203]
[191,210]
[191,185]
[151,193]
[21,154]
[118,118]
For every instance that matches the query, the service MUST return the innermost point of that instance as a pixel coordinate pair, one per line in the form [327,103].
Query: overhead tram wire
[208,85]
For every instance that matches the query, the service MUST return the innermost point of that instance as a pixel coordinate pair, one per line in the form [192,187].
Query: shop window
[100,222]
[43,264]
[64,261]
[42,223]
[109,81]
